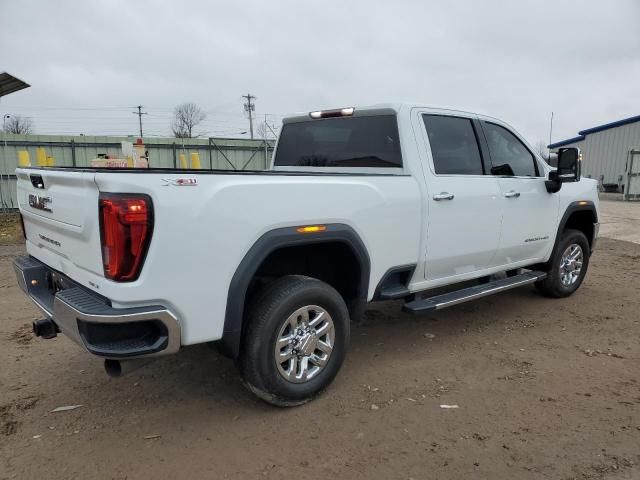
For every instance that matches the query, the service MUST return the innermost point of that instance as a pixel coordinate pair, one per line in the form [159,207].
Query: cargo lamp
[338,112]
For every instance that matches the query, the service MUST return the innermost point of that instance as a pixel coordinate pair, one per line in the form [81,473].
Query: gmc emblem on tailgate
[41,203]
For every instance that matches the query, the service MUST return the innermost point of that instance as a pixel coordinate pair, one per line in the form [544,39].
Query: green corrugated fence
[78,151]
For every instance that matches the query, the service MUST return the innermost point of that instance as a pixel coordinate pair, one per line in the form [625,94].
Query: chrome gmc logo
[41,203]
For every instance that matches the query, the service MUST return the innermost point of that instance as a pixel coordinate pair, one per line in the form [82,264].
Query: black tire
[266,316]
[552,286]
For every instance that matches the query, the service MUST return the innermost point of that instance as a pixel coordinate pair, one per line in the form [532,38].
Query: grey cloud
[510,59]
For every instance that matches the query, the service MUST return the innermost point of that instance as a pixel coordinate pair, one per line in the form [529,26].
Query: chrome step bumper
[438,302]
[91,322]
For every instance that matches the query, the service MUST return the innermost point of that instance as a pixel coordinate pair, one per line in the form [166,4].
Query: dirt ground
[544,388]
[10,229]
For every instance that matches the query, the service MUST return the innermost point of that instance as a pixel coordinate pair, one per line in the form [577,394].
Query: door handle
[512,194]
[443,196]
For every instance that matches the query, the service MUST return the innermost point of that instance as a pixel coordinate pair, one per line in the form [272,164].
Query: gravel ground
[544,388]
[620,220]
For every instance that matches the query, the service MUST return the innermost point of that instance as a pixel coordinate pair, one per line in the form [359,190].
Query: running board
[423,305]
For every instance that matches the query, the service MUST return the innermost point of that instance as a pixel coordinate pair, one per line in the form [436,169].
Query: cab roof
[381,109]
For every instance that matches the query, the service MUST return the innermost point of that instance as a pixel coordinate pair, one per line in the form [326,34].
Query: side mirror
[568,169]
[568,165]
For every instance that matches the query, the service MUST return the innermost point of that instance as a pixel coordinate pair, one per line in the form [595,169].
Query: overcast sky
[89,61]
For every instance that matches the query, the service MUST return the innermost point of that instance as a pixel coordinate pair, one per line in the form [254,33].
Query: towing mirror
[568,165]
[568,169]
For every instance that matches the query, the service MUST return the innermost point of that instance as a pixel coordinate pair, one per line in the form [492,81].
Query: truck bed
[202,231]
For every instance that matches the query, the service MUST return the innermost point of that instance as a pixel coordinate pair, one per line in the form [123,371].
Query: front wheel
[567,266]
[295,341]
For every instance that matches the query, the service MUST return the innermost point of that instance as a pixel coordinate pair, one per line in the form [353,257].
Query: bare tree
[262,130]
[186,117]
[18,125]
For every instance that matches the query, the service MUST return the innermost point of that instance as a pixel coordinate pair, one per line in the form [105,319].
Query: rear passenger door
[529,210]
[463,204]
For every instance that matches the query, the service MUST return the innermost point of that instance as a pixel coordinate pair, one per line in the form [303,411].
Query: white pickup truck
[431,206]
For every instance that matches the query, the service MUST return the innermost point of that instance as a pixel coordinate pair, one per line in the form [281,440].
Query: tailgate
[60,211]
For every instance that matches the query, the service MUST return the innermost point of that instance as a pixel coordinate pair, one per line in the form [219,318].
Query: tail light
[126,224]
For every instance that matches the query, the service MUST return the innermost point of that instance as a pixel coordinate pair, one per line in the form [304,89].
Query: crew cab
[389,202]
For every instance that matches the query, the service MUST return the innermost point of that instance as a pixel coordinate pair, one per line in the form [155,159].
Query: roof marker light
[311,229]
[338,112]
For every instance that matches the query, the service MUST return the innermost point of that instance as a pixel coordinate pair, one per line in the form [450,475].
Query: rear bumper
[90,320]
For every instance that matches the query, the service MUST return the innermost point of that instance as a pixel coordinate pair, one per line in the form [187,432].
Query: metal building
[606,151]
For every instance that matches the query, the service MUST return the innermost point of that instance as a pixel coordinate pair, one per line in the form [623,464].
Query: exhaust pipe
[119,368]
[45,328]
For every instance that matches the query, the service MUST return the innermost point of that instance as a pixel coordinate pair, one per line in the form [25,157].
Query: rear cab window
[342,143]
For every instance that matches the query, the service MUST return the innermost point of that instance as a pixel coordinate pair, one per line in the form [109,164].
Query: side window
[508,155]
[454,145]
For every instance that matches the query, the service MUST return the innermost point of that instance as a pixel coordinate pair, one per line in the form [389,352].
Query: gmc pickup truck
[431,206]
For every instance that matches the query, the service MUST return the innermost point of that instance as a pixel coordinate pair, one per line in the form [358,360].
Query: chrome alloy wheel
[304,344]
[571,264]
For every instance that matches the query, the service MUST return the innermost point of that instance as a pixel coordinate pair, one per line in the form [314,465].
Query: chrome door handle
[443,196]
[512,194]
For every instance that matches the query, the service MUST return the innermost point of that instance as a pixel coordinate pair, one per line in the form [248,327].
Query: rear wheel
[567,266]
[295,341]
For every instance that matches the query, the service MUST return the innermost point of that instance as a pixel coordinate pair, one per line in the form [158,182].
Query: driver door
[529,211]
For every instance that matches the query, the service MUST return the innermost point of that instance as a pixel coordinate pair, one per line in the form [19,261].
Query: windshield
[341,142]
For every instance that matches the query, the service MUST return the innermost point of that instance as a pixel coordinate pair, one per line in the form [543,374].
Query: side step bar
[423,305]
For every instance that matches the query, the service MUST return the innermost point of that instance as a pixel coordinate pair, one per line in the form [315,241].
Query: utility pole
[266,147]
[140,113]
[250,108]
[551,128]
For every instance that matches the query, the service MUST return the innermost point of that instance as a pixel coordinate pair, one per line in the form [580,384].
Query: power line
[53,107]
[108,119]
[140,113]
[250,108]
